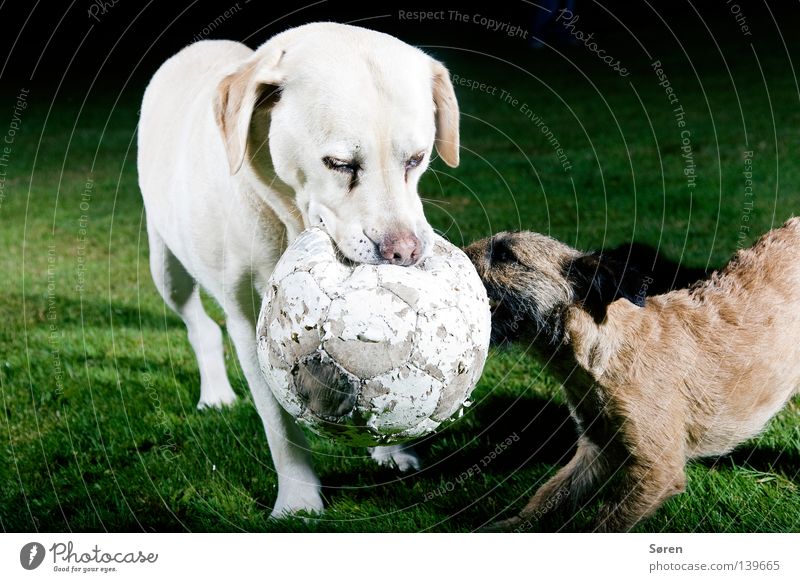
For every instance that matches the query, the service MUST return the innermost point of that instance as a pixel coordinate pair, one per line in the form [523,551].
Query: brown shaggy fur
[651,384]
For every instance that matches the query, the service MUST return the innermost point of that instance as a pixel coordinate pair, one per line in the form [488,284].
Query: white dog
[239,151]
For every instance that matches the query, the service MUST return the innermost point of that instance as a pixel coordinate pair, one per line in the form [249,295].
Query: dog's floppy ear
[446,107]
[255,83]
[598,281]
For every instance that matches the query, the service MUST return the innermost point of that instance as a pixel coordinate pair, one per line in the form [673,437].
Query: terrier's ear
[598,281]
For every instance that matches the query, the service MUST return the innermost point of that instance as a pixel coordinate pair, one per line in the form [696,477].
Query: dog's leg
[298,485]
[571,483]
[404,457]
[181,293]
[646,485]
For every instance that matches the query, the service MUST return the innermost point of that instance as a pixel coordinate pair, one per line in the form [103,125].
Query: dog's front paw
[298,498]
[402,457]
[219,396]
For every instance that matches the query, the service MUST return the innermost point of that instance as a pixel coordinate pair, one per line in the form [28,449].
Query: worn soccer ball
[372,354]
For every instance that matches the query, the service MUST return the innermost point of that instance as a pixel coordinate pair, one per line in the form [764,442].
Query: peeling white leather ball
[372,354]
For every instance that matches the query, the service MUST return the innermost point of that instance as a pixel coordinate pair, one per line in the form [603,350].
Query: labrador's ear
[598,281]
[256,83]
[446,108]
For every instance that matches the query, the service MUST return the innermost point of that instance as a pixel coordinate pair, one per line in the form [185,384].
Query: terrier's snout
[400,248]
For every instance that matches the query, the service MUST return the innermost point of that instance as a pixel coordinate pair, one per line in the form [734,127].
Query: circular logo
[31,555]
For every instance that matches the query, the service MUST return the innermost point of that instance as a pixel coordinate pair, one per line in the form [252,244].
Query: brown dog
[690,373]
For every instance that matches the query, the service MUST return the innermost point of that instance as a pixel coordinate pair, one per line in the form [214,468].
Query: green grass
[96,384]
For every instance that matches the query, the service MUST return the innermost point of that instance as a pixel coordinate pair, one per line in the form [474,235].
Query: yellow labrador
[240,150]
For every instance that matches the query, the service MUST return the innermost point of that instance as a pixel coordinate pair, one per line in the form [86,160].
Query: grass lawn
[97,378]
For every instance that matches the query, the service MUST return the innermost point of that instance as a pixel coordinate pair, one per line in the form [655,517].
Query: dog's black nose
[400,248]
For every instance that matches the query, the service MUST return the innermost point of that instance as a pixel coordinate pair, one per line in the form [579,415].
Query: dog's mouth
[351,258]
[515,322]
[507,325]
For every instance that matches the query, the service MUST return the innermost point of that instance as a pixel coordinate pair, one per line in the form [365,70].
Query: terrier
[652,381]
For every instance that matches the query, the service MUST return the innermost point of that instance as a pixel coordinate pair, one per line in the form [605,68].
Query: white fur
[225,191]
[402,457]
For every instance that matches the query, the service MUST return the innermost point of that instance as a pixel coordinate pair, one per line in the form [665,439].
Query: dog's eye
[343,166]
[414,161]
[501,253]
[503,256]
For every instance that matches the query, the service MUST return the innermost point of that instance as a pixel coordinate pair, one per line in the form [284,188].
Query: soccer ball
[372,354]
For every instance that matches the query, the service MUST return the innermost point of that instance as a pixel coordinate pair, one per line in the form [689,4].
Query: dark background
[51,43]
